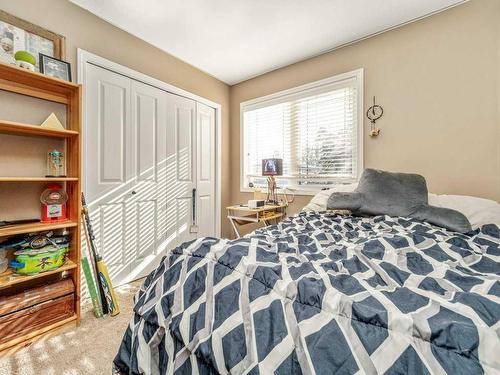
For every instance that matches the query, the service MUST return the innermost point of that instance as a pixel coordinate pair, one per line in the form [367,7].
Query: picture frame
[272,167]
[52,67]
[17,34]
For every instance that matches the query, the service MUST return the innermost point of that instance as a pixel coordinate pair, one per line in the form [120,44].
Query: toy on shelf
[25,60]
[55,164]
[33,261]
[54,200]
[36,254]
[52,122]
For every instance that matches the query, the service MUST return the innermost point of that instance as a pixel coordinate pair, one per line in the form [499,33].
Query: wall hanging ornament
[374,113]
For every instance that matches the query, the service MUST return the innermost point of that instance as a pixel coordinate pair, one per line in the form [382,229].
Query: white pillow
[319,201]
[479,211]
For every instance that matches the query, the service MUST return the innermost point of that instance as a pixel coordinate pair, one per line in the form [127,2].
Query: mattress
[322,294]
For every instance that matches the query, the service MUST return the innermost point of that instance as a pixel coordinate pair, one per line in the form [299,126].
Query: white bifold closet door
[150,170]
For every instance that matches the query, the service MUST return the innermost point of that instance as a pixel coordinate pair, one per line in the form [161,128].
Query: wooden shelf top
[271,217]
[17,128]
[34,227]
[25,82]
[246,219]
[36,77]
[9,278]
[37,179]
[267,207]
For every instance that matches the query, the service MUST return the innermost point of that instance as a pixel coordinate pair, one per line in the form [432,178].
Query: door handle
[194,205]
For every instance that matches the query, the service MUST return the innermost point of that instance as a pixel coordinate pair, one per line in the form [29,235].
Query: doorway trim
[85,57]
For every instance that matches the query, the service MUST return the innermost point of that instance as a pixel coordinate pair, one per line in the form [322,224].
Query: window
[316,129]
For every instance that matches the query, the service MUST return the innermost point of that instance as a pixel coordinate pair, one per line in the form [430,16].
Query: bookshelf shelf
[9,278]
[38,179]
[12,230]
[17,128]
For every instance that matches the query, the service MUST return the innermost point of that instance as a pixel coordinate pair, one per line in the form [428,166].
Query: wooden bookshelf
[24,82]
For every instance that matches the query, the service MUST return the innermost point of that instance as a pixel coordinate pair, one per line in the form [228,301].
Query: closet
[149,167]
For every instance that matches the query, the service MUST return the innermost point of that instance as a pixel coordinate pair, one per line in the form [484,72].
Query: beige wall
[86,31]
[438,80]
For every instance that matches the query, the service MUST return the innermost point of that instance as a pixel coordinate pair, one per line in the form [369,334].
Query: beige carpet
[87,349]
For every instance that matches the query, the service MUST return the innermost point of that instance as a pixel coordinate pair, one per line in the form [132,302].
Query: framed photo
[17,34]
[56,68]
[272,167]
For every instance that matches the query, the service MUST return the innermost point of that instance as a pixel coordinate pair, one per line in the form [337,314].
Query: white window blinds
[314,130]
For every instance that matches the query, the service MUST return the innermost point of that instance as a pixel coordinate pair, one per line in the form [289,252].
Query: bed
[322,293]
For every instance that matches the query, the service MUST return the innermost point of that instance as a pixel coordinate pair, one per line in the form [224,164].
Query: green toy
[25,60]
[33,261]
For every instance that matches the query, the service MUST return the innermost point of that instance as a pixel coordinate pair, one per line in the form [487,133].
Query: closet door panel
[109,223]
[161,172]
[109,164]
[148,194]
[184,142]
[146,120]
[108,158]
[146,228]
[111,128]
[205,179]
[181,178]
[182,211]
[206,220]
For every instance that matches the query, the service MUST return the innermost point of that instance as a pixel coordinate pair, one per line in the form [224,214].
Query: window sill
[304,192]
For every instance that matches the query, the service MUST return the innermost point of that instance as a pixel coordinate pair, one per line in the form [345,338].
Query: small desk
[240,215]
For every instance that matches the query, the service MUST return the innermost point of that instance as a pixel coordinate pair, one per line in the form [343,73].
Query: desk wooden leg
[235,228]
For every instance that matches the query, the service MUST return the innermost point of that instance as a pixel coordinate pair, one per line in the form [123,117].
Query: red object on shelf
[54,200]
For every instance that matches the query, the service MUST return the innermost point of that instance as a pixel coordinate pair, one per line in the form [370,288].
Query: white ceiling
[234,40]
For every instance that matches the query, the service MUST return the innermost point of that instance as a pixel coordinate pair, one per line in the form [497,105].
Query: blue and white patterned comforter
[322,294]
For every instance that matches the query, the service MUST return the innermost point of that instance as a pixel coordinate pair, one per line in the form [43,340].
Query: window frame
[313,88]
